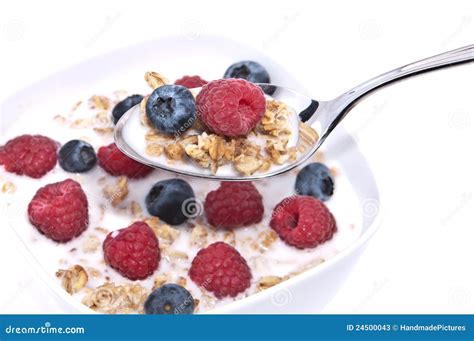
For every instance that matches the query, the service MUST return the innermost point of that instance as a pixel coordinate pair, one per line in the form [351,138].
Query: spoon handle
[339,107]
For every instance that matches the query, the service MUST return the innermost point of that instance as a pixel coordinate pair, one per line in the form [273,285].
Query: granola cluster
[245,154]
[116,299]
[8,187]
[73,279]
[117,193]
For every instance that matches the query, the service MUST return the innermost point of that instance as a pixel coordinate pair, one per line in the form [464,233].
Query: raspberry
[133,251]
[114,162]
[303,221]
[219,268]
[31,155]
[60,210]
[230,107]
[191,82]
[234,204]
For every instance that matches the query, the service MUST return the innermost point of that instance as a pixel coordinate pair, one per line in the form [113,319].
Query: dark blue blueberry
[170,201]
[169,299]
[249,70]
[123,106]
[316,180]
[77,156]
[171,109]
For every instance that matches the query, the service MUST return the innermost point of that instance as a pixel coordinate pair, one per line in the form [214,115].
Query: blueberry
[169,299]
[169,200]
[316,180]
[249,70]
[123,106]
[171,109]
[77,156]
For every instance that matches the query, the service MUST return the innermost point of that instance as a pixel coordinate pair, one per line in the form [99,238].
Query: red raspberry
[303,221]
[31,155]
[191,82]
[60,210]
[230,107]
[133,251]
[219,268]
[234,204]
[114,162]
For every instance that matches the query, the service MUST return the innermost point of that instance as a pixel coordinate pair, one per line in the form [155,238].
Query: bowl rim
[66,299]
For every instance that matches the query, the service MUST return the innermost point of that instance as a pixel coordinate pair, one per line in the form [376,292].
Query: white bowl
[308,292]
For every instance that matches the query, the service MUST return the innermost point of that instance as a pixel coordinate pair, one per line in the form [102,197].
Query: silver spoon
[320,116]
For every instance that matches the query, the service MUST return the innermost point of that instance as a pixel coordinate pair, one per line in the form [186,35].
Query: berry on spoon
[171,109]
[230,107]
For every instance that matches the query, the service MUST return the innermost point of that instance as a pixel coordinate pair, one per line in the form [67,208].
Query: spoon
[314,116]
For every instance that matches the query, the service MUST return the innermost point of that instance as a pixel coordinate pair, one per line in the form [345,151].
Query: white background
[417,135]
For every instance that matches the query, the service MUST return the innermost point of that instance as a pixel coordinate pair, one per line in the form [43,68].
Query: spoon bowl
[315,120]
[129,136]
